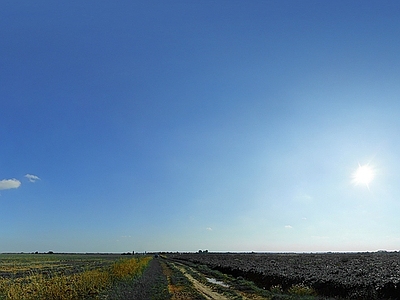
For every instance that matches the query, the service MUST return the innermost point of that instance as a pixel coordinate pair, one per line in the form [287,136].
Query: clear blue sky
[187,125]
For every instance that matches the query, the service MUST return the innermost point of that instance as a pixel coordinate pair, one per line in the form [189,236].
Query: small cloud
[32,178]
[288,227]
[209,229]
[7,184]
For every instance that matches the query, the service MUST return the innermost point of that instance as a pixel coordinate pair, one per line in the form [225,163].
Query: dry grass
[77,286]
[89,284]
[127,269]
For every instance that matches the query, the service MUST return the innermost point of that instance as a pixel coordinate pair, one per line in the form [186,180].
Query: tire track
[206,291]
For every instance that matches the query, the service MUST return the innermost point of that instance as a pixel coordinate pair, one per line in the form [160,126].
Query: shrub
[301,290]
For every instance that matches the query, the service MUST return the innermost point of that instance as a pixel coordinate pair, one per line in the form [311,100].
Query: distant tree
[200,251]
[50,252]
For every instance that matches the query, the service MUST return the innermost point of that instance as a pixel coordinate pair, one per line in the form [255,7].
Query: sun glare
[363,175]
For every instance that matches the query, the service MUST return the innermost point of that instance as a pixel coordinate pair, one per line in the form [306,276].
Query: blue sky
[186,125]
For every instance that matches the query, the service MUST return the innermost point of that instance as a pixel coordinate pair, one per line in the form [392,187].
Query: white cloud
[32,178]
[288,227]
[209,228]
[6,184]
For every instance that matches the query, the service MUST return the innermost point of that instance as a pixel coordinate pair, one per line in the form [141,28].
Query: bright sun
[363,175]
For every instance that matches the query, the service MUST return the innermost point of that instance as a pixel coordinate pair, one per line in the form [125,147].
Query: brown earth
[204,290]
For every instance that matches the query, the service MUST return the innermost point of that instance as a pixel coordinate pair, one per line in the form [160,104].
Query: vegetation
[26,277]
[301,290]
[338,275]
[162,277]
[152,285]
[179,285]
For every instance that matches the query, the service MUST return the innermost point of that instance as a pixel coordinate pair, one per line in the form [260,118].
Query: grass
[152,284]
[129,268]
[43,277]
[77,286]
[301,290]
[178,284]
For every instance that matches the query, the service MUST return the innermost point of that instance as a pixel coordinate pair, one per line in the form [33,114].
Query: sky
[186,125]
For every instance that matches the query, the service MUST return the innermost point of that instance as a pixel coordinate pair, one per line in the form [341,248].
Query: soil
[366,275]
[206,291]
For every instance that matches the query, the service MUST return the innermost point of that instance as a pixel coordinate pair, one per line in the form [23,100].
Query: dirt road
[203,289]
[209,288]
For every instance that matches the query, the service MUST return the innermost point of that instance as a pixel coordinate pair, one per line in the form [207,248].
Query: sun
[363,175]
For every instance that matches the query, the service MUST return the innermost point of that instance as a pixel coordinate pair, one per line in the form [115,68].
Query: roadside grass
[87,284]
[152,284]
[179,285]
[129,268]
[295,292]
[202,272]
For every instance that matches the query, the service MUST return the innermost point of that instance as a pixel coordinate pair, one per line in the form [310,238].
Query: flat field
[339,275]
[116,277]
[199,276]
[66,276]
[18,265]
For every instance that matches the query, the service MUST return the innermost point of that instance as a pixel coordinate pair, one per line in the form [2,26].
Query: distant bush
[301,290]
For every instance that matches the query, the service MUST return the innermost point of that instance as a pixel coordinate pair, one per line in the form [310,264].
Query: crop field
[331,275]
[200,276]
[116,277]
[66,276]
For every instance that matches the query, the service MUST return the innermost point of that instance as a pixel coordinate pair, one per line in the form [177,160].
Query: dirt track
[204,290]
[212,291]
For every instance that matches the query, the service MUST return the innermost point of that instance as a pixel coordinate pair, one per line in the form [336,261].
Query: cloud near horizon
[32,178]
[7,184]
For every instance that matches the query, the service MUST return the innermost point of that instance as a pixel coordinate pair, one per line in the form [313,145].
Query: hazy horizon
[265,126]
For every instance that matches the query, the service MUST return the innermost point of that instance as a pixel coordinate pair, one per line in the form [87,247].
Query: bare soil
[205,290]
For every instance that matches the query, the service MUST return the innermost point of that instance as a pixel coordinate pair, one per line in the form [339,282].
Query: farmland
[65,276]
[338,275]
[199,276]
[116,277]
